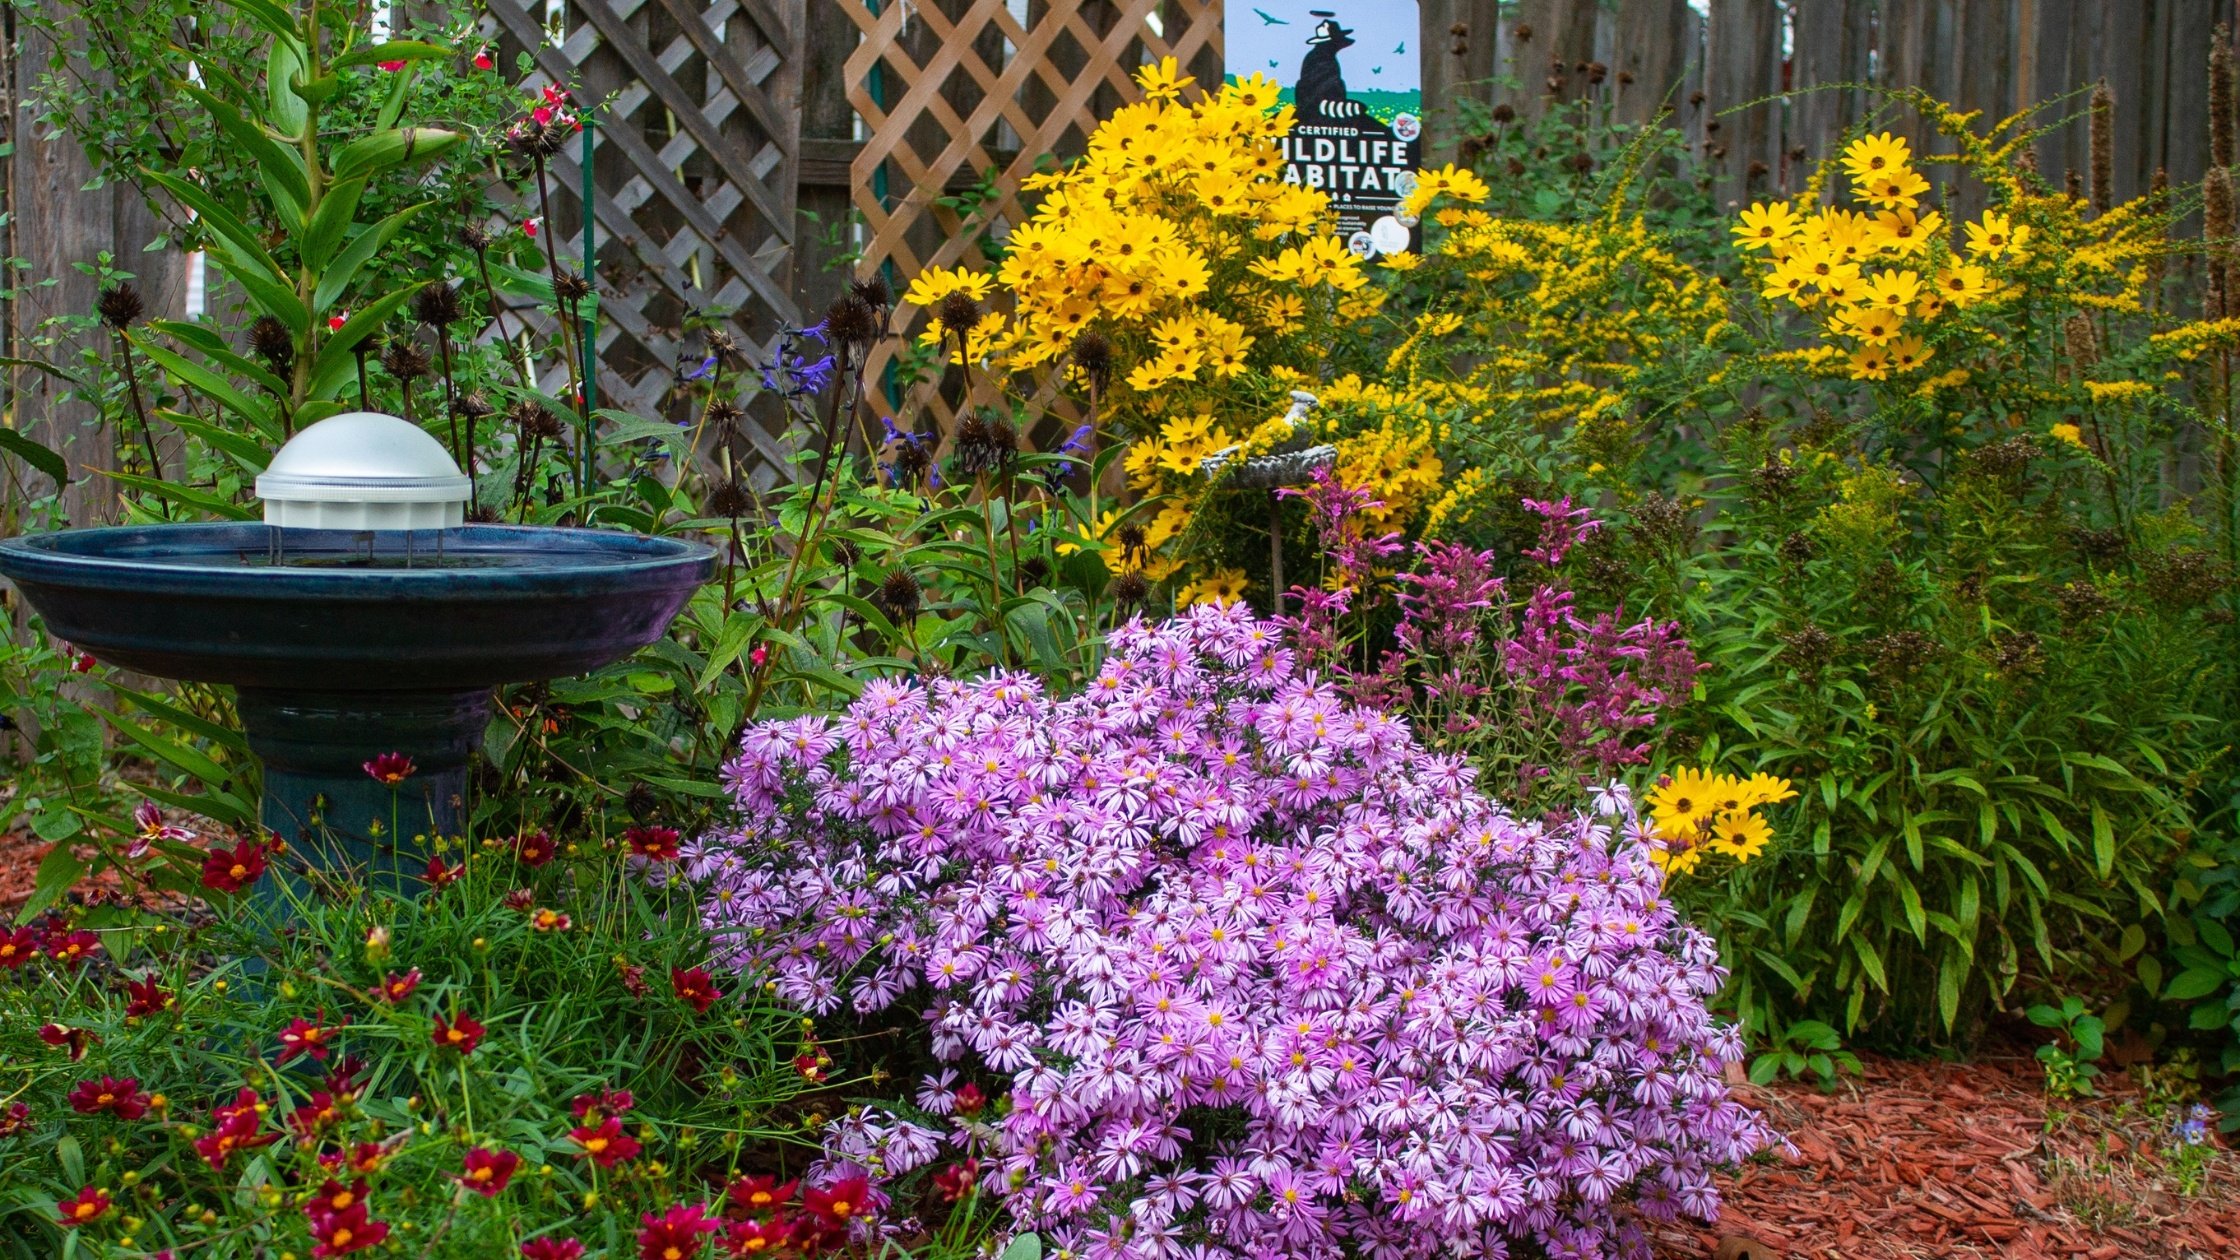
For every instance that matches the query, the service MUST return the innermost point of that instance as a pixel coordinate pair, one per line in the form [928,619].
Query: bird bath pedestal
[361,619]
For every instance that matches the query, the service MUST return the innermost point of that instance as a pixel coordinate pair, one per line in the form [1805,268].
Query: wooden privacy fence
[750,153]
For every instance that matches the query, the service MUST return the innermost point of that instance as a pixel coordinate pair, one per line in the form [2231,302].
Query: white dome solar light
[364,470]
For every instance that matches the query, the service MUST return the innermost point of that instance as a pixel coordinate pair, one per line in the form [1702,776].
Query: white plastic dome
[364,470]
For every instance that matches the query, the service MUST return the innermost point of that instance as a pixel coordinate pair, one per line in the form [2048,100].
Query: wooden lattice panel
[695,161]
[950,89]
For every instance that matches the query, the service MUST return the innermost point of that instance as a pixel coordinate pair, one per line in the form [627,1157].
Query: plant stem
[139,408]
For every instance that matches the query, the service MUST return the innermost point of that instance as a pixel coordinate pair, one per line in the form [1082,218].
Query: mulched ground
[1909,1160]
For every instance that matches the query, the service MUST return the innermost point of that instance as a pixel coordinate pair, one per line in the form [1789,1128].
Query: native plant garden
[1290,755]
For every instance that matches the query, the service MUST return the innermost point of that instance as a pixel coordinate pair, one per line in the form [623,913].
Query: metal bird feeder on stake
[1292,462]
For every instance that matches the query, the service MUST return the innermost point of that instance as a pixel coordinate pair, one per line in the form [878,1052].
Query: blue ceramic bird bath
[342,645]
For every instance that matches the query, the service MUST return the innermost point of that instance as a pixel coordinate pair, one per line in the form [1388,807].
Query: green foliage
[1805,1049]
[2070,1062]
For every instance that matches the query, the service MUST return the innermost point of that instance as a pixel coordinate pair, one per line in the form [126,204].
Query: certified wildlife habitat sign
[1351,69]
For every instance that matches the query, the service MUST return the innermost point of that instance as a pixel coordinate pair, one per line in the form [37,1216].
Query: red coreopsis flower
[534,849]
[811,1067]
[145,997]
[839,1203]
[149,819]
[342,1078]
[758,1238]
[676,1233]
[395,988]
[552,1249]
[654,844]
[550,920]
[315,1115]
[119,1096]
[70,947]
[344,1233]
[233,1127]
[486,1171]
[364,1158]
[462,1034]
[231,870]
[755,1196]
[303,1036]
[335,1197]
[88,1206]
[64,1037]
[957,1180]
[389,769]
[592,1108]
[605,1144]
[970,1101]
[440,876]
[18,947]
[694,987]
[14,1119]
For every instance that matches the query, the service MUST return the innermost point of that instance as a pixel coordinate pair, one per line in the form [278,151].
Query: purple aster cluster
[1221,966]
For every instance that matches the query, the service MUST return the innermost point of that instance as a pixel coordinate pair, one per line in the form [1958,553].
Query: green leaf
[336,366]
[1870,959]
[58,873]
[1024,1247]
[203,501]
[397,146]
[242,244]
[392,50]
[279,167]
[1951,974]
[289,112]
[337,213]
[2214,935]
[36,455]
[2103,841]
[193,376]
[250,453]
[2193,983]
[337,277]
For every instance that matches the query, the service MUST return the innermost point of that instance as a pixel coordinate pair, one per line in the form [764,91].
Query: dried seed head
[404,359]
[1504,113]
[120,306]
[725,347]
[725,414]
[273,343]
[852,322]
[1092,353]
[2004,459]
[2158,262]
[1809,648]
[2082,343]
[1006,438]
[730,499]
[2026,162]
[475,237]
[1796,549]
[2103,137]
[2217,226]
[846,553]
[958,313]
[912,461]
[2220,97]
[570,288]
[976,450]
[1130,589]
[2182,579]
[535,420]
[1899,655]
[1583,162]
[2079,602]
[901,594]
[474,405]
[437,306]
[872,291]
[1771,481]
[2017,652]
[482,514]
[1132,542]
[640,801]
[2102,546]
[1034,571]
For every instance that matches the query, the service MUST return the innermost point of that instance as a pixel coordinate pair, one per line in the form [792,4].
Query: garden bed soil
[1921,1159]
[1908,1160]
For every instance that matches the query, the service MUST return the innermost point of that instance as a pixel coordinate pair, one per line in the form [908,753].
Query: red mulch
[1909,1160]
[1919,1159]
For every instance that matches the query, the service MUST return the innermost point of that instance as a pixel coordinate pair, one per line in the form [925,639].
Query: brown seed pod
[901,594]
[437,306]
[273,343]
[404,359]
[120,306]
[2103,138]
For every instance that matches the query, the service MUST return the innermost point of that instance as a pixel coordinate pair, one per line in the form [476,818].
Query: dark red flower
[231,870]
[970,1101]
[396,988]
[694,987]
[483,60]
[533,849]
[552,1249]
[488,1171]
[810,1066]
[365,1157]
[90,1205]
[957,1180]
[315,1115]
[676,1233]
[342,1078]
[592,1108]
[440,876]
[71,947]
[838,1203]
[462,1034]
[757,1238]
[633,978]
[605,1144]
[390,769]
[119,1096]
[756,1195]
[146,997]
[18,947]
[303,1036]
[654,844]
[233,1127]
[342,1233]
[334,1197]
[62,1036]
[14,1119]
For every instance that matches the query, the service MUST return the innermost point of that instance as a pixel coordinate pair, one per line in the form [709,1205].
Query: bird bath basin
[345,644]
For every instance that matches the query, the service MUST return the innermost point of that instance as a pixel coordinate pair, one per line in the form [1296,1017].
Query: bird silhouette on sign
[1376,69]
[1401,49]
[1270,19]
